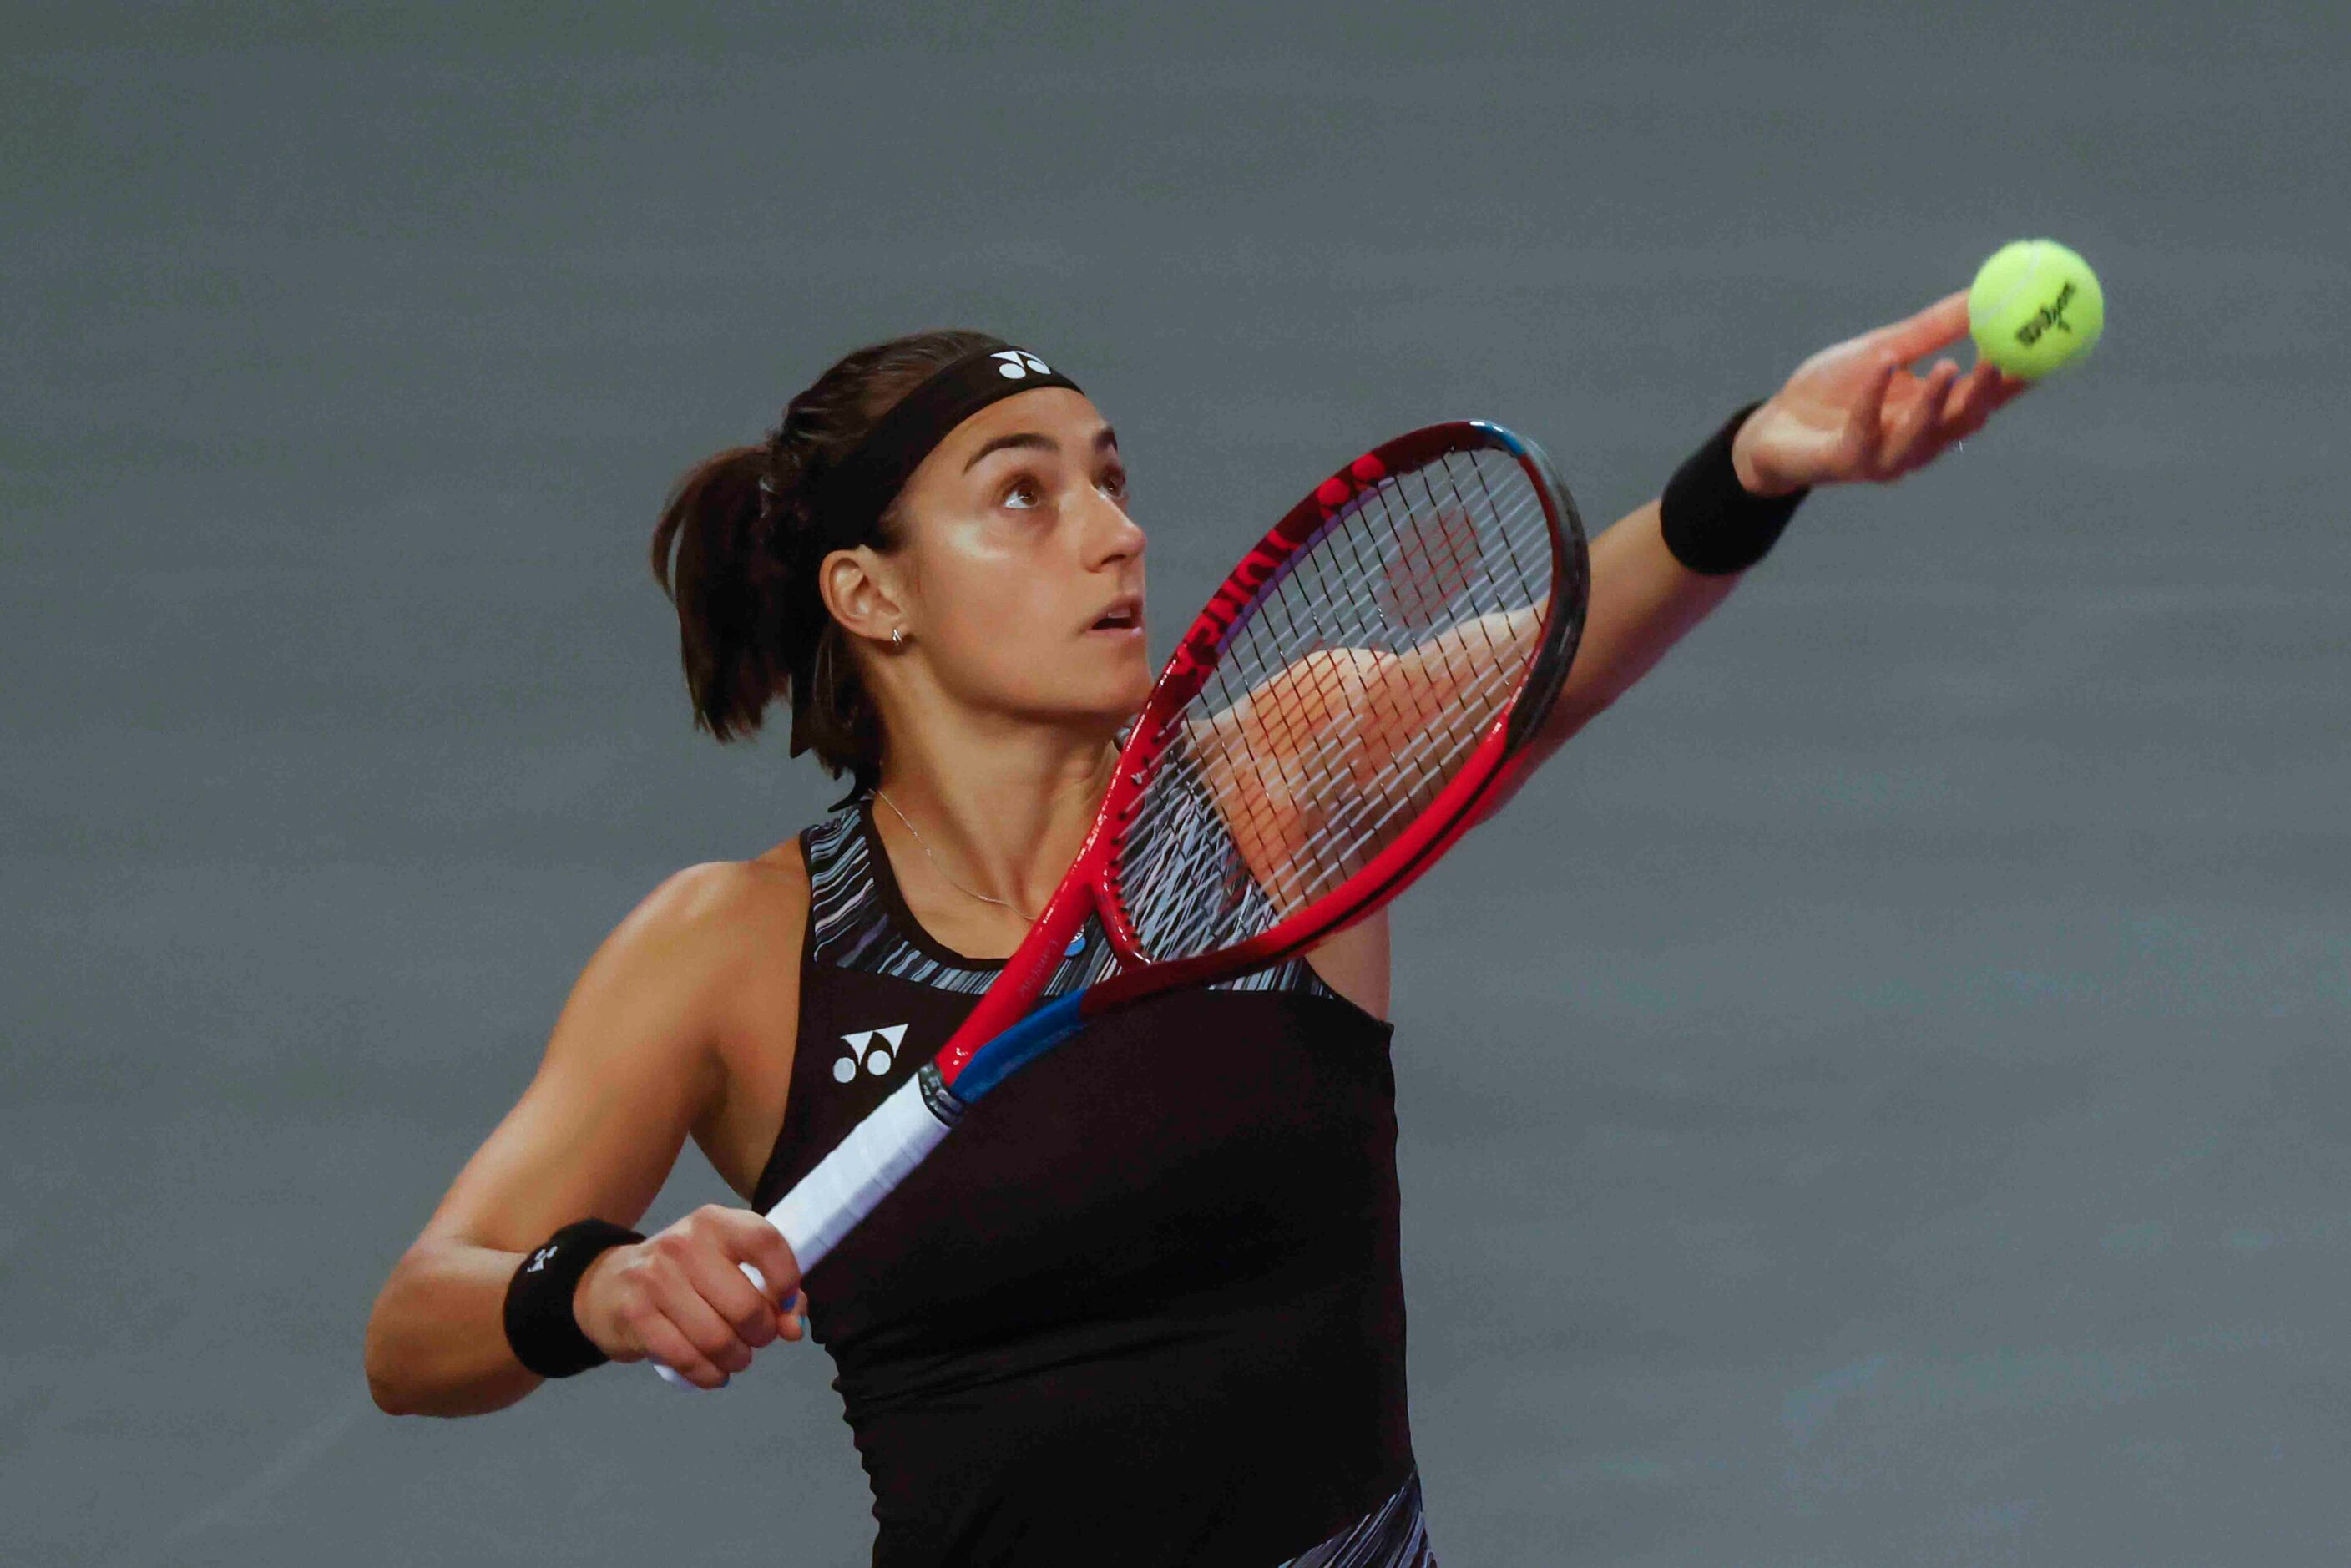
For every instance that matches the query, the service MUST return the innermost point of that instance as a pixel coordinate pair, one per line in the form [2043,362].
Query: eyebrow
[1105,439]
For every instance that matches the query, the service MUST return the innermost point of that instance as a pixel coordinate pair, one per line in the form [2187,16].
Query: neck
[1002,807]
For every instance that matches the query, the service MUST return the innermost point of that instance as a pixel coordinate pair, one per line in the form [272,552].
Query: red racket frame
[1452,811]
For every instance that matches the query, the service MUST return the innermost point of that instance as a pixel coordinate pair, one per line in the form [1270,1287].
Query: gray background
[1882,1098]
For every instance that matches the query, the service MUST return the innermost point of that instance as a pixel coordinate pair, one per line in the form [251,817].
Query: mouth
[1122,618]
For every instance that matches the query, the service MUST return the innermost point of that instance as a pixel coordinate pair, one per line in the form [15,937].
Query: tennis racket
[1338,714]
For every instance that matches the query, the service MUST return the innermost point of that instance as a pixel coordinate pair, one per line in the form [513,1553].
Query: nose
[1112,536]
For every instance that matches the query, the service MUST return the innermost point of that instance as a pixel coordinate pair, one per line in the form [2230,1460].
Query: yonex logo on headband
[1018,363]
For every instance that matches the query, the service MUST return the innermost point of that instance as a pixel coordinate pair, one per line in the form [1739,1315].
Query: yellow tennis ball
[2033,307]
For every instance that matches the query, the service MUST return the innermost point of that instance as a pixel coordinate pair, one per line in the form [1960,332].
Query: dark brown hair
[751,624]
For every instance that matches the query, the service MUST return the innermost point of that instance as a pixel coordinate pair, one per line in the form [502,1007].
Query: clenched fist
[699,1297]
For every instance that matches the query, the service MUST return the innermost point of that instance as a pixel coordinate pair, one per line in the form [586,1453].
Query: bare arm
[1643,602]
[634,1064]
[1851,412]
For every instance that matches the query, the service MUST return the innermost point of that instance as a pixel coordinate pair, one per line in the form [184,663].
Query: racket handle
[861,1170]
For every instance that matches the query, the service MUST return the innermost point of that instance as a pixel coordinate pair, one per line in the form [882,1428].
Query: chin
[1136,690]
[1112,702]
[1125,677]
[1105,691]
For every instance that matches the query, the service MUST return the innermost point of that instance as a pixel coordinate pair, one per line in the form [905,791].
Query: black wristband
[1712,523]
[546,1337]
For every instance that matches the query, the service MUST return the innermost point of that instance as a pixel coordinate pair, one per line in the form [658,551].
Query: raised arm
[1854,412]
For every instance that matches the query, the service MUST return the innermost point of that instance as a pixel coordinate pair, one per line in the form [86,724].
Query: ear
[859,589]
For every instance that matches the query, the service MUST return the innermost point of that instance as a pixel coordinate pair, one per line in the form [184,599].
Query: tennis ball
[2033,307]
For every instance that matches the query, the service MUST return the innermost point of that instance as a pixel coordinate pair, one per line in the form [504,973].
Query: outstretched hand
[1854,412]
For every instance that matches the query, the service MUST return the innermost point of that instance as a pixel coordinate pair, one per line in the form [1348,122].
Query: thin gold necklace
[942,870]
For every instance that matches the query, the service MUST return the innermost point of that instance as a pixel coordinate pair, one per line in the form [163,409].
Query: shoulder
[735,930]
[720,913]
[693,942]
[732,932]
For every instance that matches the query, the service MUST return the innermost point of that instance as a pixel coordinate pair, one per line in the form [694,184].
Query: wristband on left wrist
[1711,522]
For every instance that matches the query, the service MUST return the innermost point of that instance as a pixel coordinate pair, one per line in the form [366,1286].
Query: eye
[1022,493]
[1113,483]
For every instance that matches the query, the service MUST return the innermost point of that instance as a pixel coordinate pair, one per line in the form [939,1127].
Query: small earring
[898,638]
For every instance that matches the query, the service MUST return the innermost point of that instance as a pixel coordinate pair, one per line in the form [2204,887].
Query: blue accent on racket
[1025,1042]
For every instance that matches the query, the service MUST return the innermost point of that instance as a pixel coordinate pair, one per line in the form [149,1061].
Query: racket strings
[1465,678]
[1354,688]
[1315,682]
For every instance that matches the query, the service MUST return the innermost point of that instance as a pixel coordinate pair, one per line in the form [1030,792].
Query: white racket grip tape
[861,1170]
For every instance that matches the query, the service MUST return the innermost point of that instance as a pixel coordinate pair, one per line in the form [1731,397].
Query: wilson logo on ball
[2050,315]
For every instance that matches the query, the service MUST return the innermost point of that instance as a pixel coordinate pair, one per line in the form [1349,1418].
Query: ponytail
[728,587]
[736,550]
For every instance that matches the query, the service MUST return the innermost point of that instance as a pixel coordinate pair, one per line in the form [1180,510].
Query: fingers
[2011,389]
[1983,390]
[1968,404]
[1893,422]
[714,1329]
[765,1258]
[1936,327]
[749,1316]
[1918,433]
[755,1299]
[759,1245]
[1865,421]
[744,1273]
[789,1314]
[791,1322]
[665,1344]
[692,1299]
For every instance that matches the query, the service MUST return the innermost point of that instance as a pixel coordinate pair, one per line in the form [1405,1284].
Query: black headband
[853,493]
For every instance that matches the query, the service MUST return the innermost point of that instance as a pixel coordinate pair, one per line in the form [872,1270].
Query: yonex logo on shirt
[1019,364]
[863,1052]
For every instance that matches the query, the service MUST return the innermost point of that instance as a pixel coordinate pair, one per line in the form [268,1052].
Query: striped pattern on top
[851,926]
[1393,1535]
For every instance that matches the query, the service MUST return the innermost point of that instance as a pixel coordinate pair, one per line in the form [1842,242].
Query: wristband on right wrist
[540,1328]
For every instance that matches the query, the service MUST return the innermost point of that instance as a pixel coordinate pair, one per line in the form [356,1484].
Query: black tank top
[1144,1306]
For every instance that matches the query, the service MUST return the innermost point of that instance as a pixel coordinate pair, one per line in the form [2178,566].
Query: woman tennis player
[1131,1327]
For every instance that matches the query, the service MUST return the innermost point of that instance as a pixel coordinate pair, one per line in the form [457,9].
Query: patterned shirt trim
[1393,1535]
[851,926]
